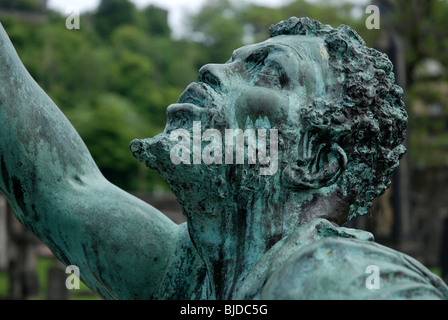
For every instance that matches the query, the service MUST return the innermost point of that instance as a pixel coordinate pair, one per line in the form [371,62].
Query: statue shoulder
[343,268]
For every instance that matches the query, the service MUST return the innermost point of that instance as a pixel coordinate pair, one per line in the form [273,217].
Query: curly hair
[369,121]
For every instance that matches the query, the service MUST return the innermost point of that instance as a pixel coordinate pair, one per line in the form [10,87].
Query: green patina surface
[340,122]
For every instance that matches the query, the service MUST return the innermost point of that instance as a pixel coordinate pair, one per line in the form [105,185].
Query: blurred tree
[107,126]
[66,65]
[182,68]
[423,26]
[257,20]
[156,21]
[113,13]
[219,26]
[130,38]
[134,72]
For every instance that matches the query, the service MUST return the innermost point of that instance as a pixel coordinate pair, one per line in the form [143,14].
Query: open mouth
[197,100]
[181,115]
[198,94]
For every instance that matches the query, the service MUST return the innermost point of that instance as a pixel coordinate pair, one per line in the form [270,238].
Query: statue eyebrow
[275,48]
[258,55]
[265,50]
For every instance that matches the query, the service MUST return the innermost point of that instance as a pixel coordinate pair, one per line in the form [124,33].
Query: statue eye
[272,75]
[256,60]
[265,71]
[267,77]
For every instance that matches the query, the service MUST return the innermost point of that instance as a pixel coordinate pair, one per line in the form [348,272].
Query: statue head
[318,94]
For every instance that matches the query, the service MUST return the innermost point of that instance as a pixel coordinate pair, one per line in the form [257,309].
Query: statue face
[263,85]
[270,79]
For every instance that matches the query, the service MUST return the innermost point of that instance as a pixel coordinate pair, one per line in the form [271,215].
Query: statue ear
[321,169]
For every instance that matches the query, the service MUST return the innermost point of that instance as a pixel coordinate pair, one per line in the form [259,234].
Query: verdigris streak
[340,121]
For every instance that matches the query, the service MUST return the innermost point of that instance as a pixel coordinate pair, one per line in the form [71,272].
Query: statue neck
[232,238]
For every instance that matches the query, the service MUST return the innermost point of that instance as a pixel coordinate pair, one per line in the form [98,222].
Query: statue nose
[211,74]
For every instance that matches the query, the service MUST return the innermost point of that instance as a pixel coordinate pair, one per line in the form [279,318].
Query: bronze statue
[315,124]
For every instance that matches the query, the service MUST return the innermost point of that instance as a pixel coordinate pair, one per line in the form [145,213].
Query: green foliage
[113,13]
[155,21]
[428,113]
[107,141]
[220,27]
[423,26]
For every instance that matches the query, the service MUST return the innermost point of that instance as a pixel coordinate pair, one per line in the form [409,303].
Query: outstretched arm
[122,246]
